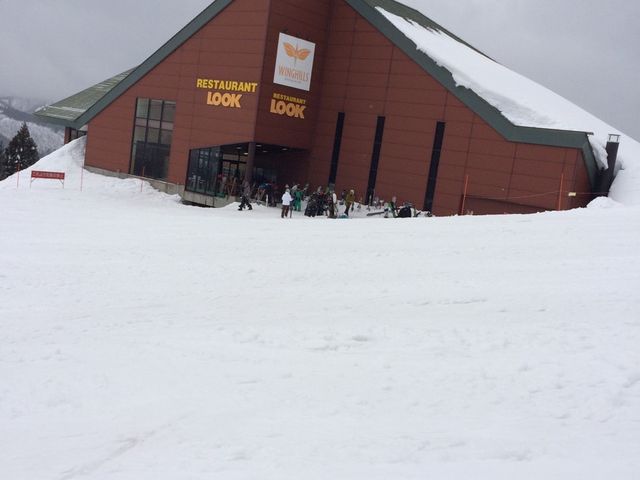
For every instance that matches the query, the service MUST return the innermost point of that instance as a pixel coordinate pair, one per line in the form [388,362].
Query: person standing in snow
[348,201]
[286,202]
[297,200]
[246,196]
[333,204]
[393,208]
[268,191]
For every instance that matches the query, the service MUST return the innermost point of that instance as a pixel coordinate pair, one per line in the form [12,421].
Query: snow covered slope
[523,101]
[141,338]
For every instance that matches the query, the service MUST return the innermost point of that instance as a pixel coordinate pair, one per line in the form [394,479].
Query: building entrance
[220,170]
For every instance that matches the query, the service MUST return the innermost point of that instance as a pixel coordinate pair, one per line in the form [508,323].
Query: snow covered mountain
[14,111]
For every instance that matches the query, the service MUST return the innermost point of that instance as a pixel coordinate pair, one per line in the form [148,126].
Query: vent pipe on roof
[607,175]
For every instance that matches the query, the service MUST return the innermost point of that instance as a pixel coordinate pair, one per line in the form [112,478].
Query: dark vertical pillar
[375,159]
[251,157]
[605,176]
[612,156]
[337,142]
[433,169]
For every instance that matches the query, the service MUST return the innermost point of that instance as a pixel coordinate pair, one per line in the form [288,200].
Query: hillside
[146,339]
[15,111]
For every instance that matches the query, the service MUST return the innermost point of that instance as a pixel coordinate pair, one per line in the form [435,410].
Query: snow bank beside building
[69,159]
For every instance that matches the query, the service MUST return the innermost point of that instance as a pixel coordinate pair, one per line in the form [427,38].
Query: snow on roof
[73,107]
[521,100]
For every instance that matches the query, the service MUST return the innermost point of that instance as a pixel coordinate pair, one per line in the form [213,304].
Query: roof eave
[65,122]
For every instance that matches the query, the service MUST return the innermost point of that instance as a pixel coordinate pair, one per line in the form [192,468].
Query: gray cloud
[585,50]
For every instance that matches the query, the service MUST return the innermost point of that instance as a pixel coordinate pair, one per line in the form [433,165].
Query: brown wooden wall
[302,19]
[307,20]
[366,76]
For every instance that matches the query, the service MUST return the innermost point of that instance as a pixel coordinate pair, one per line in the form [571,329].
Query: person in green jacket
[297,200]
[348,201]
[392,208]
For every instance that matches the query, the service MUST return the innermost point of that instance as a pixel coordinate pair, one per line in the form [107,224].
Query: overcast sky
[586,50]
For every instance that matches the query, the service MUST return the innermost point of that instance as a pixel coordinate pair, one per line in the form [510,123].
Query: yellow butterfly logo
[296,53]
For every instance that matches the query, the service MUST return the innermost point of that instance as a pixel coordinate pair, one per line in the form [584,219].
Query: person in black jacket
[246,196]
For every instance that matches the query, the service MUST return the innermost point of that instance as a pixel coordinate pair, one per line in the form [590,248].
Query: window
[217,170]
[202,173]
[152,135]
[75,134]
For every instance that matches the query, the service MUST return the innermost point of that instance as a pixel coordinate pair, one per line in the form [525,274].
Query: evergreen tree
[3,159]
[21,153]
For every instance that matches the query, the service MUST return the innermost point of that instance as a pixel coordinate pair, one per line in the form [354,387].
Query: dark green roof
[68,111]
[78,114]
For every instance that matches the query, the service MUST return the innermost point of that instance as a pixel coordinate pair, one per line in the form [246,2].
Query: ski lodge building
[325,92]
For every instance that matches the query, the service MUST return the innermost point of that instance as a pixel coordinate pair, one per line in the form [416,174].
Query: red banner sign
[42,174]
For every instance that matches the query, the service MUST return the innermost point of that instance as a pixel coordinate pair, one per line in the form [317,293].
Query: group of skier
[320,202]
[327,202]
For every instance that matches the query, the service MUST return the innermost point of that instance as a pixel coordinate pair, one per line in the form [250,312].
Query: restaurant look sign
[225,93]
[294,62]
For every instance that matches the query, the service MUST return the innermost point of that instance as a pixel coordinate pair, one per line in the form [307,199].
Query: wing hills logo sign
[294,62]
[296,53]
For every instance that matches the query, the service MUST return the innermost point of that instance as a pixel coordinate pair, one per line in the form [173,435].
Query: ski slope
[144,339]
